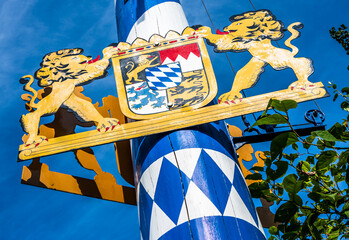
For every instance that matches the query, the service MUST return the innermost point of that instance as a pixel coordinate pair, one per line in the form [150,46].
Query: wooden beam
[168,123]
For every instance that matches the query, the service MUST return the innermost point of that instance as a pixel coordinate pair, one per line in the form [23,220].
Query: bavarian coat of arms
[165,77]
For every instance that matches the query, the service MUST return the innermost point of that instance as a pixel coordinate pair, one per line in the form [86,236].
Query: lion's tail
[27,87]
[293,29]
[131,64]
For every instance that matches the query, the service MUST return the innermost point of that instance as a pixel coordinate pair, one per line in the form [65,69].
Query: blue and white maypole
[188,182]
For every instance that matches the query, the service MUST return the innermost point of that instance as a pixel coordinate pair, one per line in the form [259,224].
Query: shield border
[161,46]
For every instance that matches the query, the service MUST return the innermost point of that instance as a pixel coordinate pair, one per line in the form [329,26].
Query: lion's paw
[35,141]
[230,98]
[301,85]
[203,31]
[107,124]
[108,52]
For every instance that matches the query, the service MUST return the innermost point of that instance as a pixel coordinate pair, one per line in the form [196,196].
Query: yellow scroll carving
[245,154]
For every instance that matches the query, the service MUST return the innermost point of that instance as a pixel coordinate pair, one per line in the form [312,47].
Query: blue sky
[30,29]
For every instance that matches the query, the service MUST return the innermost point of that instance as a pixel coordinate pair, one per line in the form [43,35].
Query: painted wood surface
[188,183]
[163,76]
[190,187]
[104,184]
[60,73]
[239,36]
[168,123]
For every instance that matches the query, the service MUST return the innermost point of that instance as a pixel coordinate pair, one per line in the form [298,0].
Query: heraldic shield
[162,78]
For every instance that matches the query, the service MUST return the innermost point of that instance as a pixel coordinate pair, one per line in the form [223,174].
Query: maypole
[188,182]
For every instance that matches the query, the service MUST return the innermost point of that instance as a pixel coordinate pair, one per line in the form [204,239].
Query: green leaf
[310,159]
[335,97]
[306,166]
[280,191]
[325,135]
[291,184]
[343,158]
[314,232]
[271,120]
[345,135]
[345,207]
[325,159]
[273,230]
[320,145]
[285,212]
[345,236]
[283,105]
[269,196]
[339,178]
[257,188]
[346,213]
[261,169]
[281,170]
[309,140]
[314,196]
[345,90]
[298,200]
[295,146]
[329,196]
[280,142]
[333,235]
[345,106]
[255,176]
[337,130]
[266,109]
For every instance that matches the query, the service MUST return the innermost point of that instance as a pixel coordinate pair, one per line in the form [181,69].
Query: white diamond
[198,205]
[237,208]
[160,223]
[225,163]
[187,159]
[150,177]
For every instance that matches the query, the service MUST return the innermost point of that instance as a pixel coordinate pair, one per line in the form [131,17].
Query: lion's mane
[51,65]
[264,26]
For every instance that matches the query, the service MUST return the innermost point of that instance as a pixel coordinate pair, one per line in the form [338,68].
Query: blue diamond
[212,181]
[146,204]
[241,187]
[169,190]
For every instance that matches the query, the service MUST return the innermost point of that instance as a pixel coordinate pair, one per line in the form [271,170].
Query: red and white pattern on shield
[187,56]
[150,96]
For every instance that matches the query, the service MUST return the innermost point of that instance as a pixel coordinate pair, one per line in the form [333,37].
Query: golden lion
[63,71]
[253,32]
[143,61]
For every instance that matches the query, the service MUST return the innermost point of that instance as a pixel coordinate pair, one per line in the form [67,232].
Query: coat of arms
[165,77]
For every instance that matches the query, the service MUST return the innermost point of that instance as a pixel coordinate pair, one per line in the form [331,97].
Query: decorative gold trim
[168,122]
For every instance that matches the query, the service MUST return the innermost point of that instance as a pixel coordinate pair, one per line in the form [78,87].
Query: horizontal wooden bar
[168,123]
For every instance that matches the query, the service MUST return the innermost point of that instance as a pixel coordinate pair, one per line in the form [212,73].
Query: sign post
[186,173]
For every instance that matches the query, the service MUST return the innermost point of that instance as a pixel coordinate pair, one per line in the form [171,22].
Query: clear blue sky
[30,29]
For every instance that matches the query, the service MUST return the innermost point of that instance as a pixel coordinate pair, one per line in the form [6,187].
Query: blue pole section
[188,182]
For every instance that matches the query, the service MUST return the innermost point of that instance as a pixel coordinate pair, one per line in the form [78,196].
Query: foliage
[306,177]
[341,36]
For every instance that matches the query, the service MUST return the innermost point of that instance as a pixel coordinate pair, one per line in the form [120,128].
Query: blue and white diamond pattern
[164,76]
[158,187]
